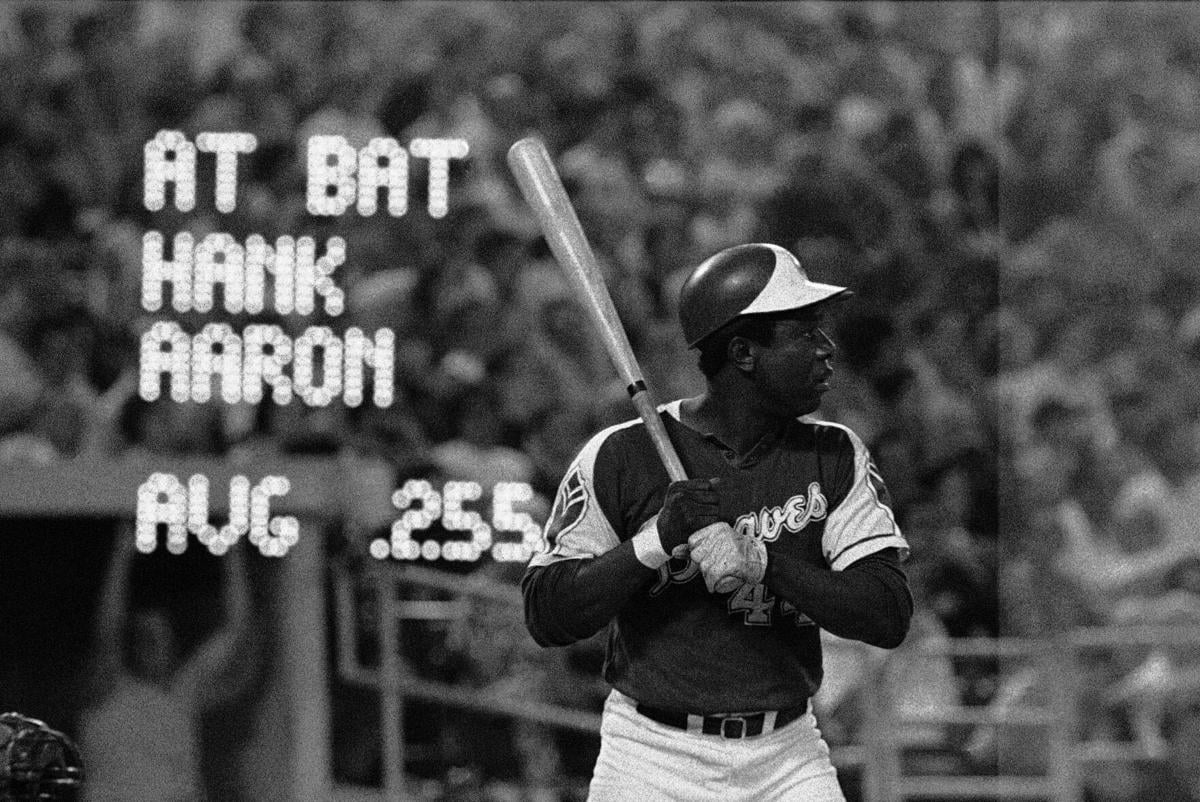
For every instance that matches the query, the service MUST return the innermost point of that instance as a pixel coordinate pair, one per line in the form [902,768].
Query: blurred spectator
[1180,777]
[1010,193]
[140,737]
[492,652]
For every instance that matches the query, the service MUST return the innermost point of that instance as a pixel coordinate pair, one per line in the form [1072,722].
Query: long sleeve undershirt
[572,600]
[869,601]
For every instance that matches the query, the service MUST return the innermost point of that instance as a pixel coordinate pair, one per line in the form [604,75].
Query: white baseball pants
[642,760]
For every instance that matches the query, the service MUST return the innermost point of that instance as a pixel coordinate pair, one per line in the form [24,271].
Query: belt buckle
[738,732]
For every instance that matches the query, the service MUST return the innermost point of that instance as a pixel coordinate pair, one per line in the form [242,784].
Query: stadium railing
[300,702]
[880,759]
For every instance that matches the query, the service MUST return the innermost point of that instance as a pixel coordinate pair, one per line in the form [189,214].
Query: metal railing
[879,759]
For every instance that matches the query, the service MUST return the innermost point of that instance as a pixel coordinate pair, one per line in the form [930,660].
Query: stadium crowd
[1009,192]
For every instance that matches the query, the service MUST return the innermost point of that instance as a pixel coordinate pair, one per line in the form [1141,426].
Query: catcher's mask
[37,764]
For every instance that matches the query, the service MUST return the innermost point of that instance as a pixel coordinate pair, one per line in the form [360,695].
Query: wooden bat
[544,192]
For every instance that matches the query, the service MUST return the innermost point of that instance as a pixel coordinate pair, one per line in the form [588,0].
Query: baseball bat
[544,192]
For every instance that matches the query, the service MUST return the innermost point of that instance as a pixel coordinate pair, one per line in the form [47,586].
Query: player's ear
[742,353]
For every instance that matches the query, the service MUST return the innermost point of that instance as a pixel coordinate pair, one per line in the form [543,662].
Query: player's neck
[738,425]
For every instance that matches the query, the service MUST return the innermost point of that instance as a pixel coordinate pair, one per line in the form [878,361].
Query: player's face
[793,372]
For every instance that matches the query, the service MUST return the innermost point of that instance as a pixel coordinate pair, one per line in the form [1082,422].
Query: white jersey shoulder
[863,522]
[577,528]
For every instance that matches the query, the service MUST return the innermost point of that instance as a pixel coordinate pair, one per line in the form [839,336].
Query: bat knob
[727,584]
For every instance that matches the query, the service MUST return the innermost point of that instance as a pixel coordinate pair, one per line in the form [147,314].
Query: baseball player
[715,587]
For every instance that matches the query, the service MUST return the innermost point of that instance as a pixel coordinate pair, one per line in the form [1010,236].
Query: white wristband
[648,546]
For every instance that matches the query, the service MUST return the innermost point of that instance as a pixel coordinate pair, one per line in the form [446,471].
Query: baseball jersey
[810,490]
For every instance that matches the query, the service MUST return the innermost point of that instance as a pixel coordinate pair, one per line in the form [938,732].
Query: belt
[727,725]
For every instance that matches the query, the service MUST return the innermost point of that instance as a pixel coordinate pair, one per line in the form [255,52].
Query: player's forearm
[571,600]
[868,602]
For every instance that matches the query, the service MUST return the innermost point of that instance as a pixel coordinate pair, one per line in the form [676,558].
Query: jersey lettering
[754,602]
[793,515]
[802,620]
[675,572]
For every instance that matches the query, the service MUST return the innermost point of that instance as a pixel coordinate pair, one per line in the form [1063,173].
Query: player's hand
[728,559]
[689,506]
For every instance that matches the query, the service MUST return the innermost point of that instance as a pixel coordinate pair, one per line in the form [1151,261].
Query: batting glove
[728,559]
[689,506]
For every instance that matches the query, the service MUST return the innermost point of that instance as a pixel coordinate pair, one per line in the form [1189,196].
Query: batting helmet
[37,764]
[746,280]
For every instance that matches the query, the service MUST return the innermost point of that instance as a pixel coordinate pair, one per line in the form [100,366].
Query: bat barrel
[543,191]
[545,194]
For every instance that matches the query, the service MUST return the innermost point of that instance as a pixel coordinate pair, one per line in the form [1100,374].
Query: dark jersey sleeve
[586,570]
[868,601]
[570,600]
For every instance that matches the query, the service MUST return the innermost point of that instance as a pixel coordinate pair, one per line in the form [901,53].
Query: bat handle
[658,433]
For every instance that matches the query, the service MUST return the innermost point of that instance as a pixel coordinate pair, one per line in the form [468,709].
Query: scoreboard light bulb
[158,170]
[439,152]
[511,553]
[198,512]
[380,355]
[380,549]
[460,551]
[227,364]
[335,255]
[198,523]
[413,490]
[331,366]
[152,510]
[156,361]
[286,528]
[284,270]
[229,270]
[504,496]
[306,279]
[156,272]
[259,367]
[227,145]
[313,275]
[259,357]
[431,550]
[273,536]
[406,550]
[322,175]
[456,519]
[393,178]
[258,256]
[239,511]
